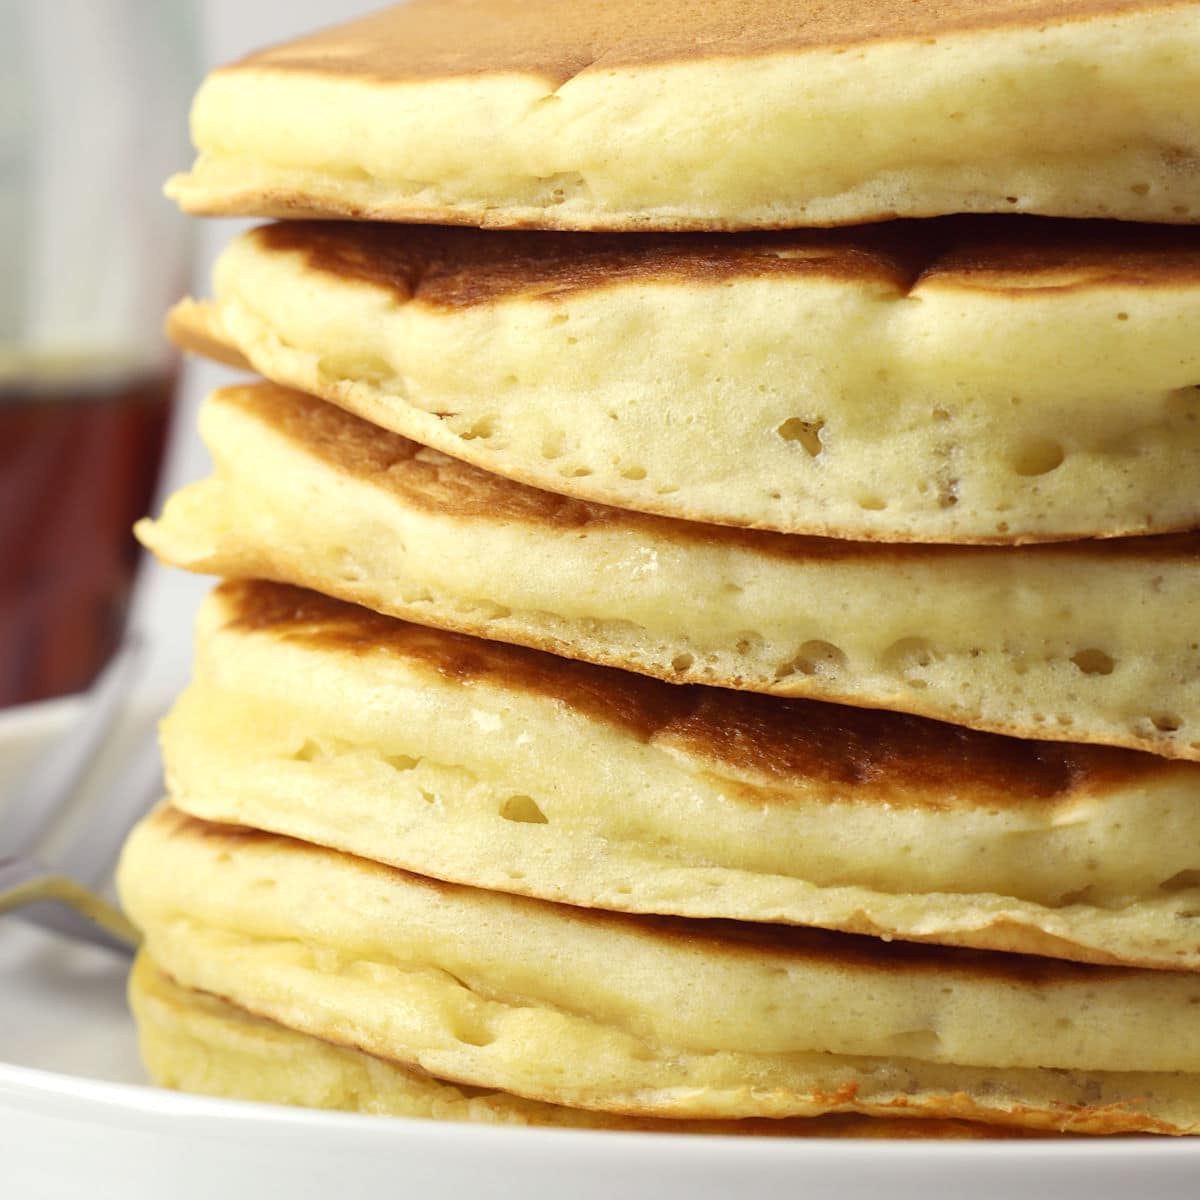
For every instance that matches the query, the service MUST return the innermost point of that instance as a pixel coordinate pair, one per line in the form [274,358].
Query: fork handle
[59,904]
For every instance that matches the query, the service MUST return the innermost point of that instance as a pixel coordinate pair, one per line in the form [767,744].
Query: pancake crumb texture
[458,759]
[709,631]
[632,1016]
[1089,641]
[687,116]
[998,381]
[197,1042]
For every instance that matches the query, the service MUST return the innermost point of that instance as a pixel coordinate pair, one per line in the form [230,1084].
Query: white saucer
[77,1120]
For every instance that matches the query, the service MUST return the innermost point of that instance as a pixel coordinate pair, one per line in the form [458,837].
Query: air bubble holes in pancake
[681,663]
[947,493]
[1038,456]
[369,368]
[806,432]
[346,566]
[1157,727]
[400,762]
[748,642]
[524,810]
[325,750]
[814,657]
[469,1028]
[308,751]
[1093,661]
[417,599]
[481,610]
[909,656]
[316,750]
[563,186]
[482,429]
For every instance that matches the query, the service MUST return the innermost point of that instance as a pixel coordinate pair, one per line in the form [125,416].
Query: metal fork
[59,890]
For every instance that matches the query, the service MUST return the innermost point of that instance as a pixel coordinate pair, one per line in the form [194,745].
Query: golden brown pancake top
[712,936]
[558,39]
[426,480]
[863,755]
[459,268]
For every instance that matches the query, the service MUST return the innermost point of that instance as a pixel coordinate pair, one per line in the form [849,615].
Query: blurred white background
[230,29]
[166,600]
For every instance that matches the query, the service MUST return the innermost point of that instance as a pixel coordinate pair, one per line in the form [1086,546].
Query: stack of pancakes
[717,646]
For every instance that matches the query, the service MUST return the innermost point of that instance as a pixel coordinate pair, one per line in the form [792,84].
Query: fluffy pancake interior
[1088,641]
[918,381]
[199,1043]
[505,112]
[635,1014]
[460,759]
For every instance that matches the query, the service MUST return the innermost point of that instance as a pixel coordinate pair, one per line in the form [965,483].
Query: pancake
[980,380]
[659,1017]
[460,759]
[1091,641]
[199,1043]
[675,114]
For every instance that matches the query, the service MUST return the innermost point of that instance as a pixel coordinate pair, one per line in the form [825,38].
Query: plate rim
[39,1091]
[52,1093]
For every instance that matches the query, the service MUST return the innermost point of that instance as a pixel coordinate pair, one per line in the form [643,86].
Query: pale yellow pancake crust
[673,114]
[460,759]
[199,1043]
[1087,641]
[965,380]
[653,1016]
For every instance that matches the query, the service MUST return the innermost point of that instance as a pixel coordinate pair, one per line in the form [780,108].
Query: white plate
[78,1121]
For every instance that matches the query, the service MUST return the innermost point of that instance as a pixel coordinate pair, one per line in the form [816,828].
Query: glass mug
[93,103]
